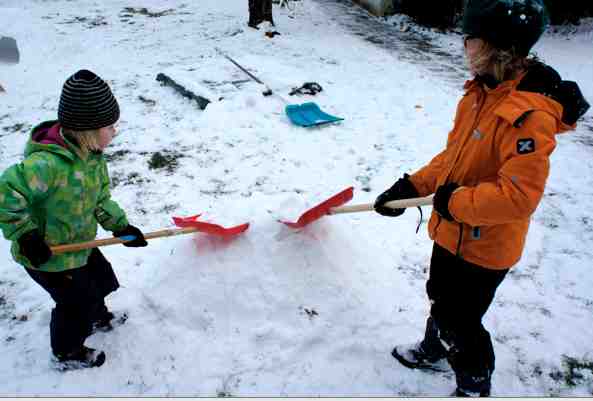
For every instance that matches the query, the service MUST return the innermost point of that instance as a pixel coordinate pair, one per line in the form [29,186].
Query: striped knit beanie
[87,103]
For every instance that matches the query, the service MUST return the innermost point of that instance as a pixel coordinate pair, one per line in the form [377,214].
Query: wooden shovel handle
[112,241]
[396,204]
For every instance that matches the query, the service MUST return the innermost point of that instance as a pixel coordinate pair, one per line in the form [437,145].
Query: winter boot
[79,359]
[429,354]
[473,384]
[107,320]
[473,364]
[463,393]
[414,356]
[474,387]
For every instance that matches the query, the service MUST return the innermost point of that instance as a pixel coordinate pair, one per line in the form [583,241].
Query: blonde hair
[88,140]
[502,64]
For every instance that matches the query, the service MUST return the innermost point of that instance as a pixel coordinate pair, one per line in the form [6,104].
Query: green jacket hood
[46,137]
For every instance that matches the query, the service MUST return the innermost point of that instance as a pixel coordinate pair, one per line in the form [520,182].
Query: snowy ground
[276,312]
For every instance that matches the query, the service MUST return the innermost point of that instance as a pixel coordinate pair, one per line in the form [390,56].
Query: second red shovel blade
[322,209]
[209,228]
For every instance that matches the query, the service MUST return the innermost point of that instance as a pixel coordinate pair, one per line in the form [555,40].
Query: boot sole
[113,323]
[419,366]
[63,366]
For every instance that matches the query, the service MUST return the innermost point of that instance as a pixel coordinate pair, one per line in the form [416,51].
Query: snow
[277,312]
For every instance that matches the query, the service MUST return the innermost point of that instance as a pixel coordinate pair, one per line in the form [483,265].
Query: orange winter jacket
[498,152]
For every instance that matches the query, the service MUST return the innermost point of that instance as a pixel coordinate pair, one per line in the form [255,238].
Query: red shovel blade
[209,228]
[322,209]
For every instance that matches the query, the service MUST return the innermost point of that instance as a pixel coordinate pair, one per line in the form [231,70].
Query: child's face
[473,48]
[106,135]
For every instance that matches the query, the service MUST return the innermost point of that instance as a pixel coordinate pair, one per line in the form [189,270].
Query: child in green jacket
[57,195]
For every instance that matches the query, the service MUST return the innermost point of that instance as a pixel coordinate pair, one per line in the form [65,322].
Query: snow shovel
[334,206]
[187,225]
[9,52]
[308,114]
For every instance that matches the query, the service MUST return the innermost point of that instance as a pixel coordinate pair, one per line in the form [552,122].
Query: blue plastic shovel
[309,115]
[304,115]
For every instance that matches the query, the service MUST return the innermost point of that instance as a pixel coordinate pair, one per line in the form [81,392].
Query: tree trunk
[255,13]
[267,11]
[259,11]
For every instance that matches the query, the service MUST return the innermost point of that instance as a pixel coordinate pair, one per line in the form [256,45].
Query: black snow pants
[79,296]
[460,294]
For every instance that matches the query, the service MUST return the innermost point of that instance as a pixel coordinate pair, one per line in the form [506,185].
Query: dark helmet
[506,23]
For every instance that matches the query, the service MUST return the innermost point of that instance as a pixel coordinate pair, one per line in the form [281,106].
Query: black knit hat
[87,103]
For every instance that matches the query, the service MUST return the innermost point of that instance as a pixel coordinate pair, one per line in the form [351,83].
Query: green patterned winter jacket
[60,192]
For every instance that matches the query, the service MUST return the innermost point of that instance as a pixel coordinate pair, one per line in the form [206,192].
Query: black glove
[402,189]
[139,241]
[441,199]
[34,248]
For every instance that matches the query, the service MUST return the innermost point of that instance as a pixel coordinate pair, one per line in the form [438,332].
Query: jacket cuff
[418,186]
[111,217]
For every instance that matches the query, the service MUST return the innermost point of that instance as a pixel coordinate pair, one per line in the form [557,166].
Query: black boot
[472,380]
[107,320]
[461,393]
[473,363]
[473,386]
[81,358]
[429,354]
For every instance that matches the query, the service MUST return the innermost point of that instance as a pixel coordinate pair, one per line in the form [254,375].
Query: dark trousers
[460,293]
[79,296]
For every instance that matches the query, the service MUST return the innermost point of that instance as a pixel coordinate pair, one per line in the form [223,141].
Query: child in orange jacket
[487,182]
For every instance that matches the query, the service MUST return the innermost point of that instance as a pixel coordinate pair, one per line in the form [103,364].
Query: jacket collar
[486,83]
